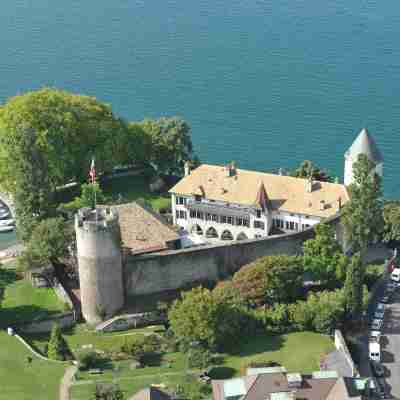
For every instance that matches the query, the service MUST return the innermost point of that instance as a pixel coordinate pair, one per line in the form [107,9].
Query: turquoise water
[266,83]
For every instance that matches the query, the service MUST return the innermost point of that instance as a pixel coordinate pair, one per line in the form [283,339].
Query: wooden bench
[95,371]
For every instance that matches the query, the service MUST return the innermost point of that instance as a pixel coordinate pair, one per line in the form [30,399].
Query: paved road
[66,382]
[391,345]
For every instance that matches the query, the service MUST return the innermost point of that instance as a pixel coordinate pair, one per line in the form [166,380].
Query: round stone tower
[98,241]
[363,144]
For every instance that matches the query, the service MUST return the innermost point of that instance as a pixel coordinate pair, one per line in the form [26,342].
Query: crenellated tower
[98,242]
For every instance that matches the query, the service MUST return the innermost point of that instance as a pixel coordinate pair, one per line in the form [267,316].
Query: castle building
[364,144]
[226,203]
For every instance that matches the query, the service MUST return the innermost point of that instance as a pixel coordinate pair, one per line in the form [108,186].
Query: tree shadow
[259,344]
[221,372]
[7,277]
[152,360]
[23,315]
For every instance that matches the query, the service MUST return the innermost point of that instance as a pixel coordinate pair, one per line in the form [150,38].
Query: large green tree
[65,129]
[391,217]
[323,257]
[270,279]
[353,288]
[171,143]
[48,243]
[207,319]
[308,169]
[362,215]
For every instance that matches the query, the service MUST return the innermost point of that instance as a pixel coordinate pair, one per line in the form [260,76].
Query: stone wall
[65,320]
[61,293]
[158,272]
[341,345]
[127,321]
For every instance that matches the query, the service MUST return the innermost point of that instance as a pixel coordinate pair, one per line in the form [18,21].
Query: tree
[353,288]
[322,256]
[68,130]
[105,391]
[308,169]
[362,215]
[206,319]
[57,348]
[391,218]
[89,192]
[171,143]
[270,279]
[48,243]
[198,358]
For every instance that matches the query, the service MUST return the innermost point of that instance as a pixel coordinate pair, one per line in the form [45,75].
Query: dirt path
[66,382]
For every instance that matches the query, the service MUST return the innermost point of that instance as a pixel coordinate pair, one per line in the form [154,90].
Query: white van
[395,276]
[375,351]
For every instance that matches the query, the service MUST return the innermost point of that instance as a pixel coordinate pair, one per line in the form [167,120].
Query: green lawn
[21,302]
[22,381]
[133,188]
[80,336]
[298,352]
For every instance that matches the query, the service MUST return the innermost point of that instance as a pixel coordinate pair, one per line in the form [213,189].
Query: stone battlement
[96,220]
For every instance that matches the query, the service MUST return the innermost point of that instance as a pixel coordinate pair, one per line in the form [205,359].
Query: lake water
[265,83]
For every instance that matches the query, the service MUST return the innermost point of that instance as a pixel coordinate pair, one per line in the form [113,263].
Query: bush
[57,347]
[87,360]
[198,358]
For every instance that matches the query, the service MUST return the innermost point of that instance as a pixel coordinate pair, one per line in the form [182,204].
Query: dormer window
[197,198]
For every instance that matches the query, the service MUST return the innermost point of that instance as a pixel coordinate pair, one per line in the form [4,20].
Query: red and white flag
[92,172]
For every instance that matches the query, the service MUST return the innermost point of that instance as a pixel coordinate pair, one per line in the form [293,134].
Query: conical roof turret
[364,144]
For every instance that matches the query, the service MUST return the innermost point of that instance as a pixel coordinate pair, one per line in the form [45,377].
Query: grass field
[308,348]
[21,302]
[22,381]
[133,188]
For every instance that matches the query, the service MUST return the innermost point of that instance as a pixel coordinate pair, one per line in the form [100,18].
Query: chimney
[339,203]
[309,184]
[322,205]
[187,168]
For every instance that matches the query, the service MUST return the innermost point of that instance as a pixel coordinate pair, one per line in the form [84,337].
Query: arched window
[197,230]
[226,235]
[241,236]
[211,233]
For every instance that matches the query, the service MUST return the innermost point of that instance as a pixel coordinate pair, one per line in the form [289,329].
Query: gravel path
[66,382]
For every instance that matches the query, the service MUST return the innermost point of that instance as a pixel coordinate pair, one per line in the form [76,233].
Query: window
[257,236]
[239,221]
[192,214]
[176,200]
[287,224]
[296,226]
[259,225]
[182,214]
[223,219]
[200,215]
[208,217]
[215,217]
[258,213]
[229,220]
[291,225]
[180,200]
[197,198]
[177,214]
[246,222]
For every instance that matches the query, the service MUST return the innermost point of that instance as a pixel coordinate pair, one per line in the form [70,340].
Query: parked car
[377,369]
[390,287]
[385,298]
[375,336]
[376,324]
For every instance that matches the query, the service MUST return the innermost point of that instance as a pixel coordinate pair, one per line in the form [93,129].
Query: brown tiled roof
[150,393]
[266,384]
[316,389]
[142,229]
[284,192]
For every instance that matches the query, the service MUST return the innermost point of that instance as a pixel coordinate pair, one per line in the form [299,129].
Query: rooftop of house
[364,144]
[142,229]
[250,188]
[150,393]
[325,385]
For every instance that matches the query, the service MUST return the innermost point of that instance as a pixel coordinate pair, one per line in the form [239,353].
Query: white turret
[364,144]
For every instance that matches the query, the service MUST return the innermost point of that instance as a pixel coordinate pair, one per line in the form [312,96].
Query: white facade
[219,221]
[348,170]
